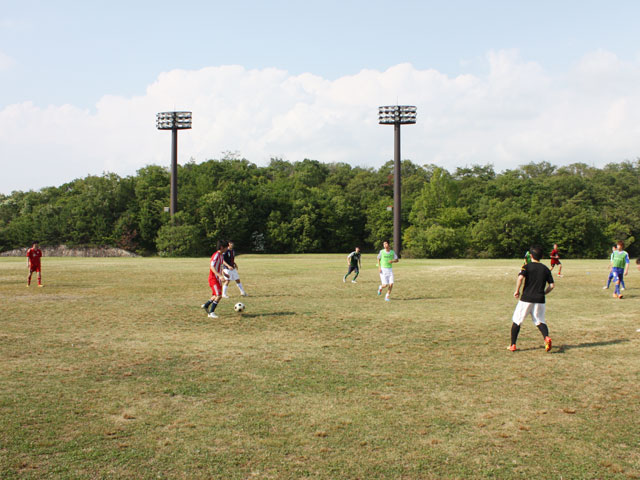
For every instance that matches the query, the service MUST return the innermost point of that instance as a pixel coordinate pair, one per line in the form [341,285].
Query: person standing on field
[538,282]
[230,270]
[216,277]
[555,259]
[354,264]
[619,267]
[385,258]
[34,254]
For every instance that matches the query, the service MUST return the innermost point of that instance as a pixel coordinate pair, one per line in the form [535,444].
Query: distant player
[385,258]
[216,277]
[613,249]
[354,264]
[619,267]
[555,259]
[527,258]
[538,282]
[34,254]
[230,270]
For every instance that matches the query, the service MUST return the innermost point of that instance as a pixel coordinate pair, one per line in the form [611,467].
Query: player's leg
[389,278]
[559,269]
[39,270]
[29,277]
[357,270]
[538,313]
[225,286]
[616,283]
[521,311]
[240,287]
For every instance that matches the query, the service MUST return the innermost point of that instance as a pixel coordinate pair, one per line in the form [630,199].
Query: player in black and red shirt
[34,254]
[230,270]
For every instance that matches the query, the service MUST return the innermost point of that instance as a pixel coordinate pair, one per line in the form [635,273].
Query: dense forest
[309,206]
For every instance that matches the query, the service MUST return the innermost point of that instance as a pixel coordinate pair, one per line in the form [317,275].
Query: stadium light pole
[397,115]
[174,121]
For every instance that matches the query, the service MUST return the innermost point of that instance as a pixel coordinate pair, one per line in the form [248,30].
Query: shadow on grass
[562,348]
[267,314]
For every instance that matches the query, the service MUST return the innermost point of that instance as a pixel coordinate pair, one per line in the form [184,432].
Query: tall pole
[173,208]
[397,115]
[397,188]
[173,121]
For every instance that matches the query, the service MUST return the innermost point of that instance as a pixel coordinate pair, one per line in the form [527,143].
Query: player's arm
[550,287]
[626,267]
[518,285]
[349,259]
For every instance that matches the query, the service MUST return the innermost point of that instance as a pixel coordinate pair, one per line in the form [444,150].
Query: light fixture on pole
[397,115]
[174,121]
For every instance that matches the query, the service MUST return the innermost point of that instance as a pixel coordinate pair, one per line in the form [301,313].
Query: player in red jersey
[34,254]
[555,259]
[216,277]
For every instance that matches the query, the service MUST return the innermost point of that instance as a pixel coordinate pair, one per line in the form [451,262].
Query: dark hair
[621,243]
[536,252]
[638,261]
[222,244]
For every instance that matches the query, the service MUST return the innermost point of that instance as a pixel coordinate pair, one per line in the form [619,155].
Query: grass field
[112,370]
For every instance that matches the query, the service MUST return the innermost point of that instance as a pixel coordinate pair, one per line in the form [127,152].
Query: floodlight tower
[397,115]
[174,121]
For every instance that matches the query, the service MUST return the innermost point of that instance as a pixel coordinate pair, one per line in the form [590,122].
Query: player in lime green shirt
[385,258]
[619,267]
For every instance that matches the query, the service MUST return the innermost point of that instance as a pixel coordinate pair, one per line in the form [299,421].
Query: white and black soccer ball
[239,307]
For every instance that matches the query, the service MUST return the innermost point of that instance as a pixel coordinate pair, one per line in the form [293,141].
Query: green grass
[114,371]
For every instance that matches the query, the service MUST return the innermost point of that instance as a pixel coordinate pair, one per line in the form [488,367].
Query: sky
[498,82]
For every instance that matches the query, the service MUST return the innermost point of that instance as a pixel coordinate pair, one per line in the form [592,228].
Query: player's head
[536,252]
[357,249]
[222,245]
[386,245]
[35,245]
[230,245]
[620,245]
[555,246]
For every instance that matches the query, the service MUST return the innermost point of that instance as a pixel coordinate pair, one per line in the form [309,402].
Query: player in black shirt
[230,270]
[538,281]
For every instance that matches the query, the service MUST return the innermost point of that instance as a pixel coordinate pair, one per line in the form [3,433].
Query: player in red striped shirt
[34,254]
[216,277]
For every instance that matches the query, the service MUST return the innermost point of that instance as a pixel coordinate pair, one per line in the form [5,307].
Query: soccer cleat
[204,305]
[512,348]
[40,285]
[547,344]
[605,288]
[225,296]
[212,315]
[380,290]
[353,281]
[387,299]
[615,295]
[344,279]
[244,294]
[621,288]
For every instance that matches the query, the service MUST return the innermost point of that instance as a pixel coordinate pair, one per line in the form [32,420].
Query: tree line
[309,206]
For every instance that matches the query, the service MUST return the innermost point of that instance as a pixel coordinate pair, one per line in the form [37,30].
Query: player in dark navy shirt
[231,271]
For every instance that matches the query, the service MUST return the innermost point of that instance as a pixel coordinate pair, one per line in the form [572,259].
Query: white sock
[224,290]
[240,287]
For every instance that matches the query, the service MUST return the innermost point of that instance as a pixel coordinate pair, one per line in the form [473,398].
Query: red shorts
[555,261]
[35,268]
[216,288]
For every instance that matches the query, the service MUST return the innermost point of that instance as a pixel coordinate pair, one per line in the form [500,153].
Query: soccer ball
[239,307]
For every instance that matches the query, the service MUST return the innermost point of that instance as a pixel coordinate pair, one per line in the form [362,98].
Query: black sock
[543,329]
[213,307]
[207,303]
[515,330]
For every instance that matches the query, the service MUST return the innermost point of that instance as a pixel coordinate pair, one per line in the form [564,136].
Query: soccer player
[527,258]
[34,254]
[555,259]
[354,263]
[216,277]
[230,270]
[385,258]
[619,267]
[538,282]
[613,249]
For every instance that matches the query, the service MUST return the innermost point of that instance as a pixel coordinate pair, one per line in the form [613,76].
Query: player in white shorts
[230,270]
[385,258]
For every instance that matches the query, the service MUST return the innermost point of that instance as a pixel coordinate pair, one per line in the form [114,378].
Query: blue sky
[68,66]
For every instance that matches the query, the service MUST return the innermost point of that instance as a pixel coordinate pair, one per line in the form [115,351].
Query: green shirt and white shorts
[386,272]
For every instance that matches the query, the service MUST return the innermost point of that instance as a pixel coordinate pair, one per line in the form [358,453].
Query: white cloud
[6,62]
[515,113]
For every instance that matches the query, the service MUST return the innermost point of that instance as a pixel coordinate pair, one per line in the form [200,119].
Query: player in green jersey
[354,263]
[619,267]
[385,258]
